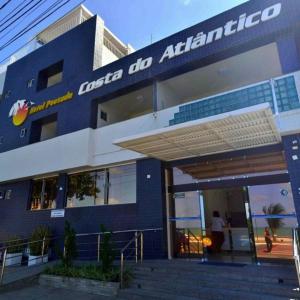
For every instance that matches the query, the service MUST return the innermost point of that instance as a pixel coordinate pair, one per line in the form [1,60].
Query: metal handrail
[198,240]
[138,240]
[4,250]
[16,240]
[119,231]
[87,234]
[25,243]
[98,234]
[296,250]
[134,240]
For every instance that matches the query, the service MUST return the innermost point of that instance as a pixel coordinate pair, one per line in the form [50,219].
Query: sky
[137,22]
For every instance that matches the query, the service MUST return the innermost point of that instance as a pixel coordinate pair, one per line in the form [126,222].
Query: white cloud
[185,2]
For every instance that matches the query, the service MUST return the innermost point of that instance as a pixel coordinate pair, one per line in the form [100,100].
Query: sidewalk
[37,292]
[15,274]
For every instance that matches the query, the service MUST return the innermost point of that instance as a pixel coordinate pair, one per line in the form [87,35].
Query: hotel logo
[19,111]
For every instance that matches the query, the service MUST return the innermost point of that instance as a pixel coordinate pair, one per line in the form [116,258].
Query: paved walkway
[14,274]
[37,292]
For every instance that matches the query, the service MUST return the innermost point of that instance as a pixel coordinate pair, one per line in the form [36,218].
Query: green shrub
[14,244]
[36,240]
[89,272]
[107,255]
[70,248]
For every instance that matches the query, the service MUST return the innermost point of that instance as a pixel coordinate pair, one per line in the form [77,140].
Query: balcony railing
[281,93]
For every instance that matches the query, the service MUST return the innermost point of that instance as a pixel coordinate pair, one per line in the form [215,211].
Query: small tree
[70,248]
[107,255]
[276,223]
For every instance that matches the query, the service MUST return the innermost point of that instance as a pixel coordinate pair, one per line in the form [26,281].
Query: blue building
[158,139]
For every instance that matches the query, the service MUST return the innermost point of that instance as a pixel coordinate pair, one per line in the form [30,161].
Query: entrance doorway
[250,192]
[228,207]
[187,224]
[258,222]
[192,223]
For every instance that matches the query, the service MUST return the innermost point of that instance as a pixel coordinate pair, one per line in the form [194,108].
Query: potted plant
[39,245]
[14,251]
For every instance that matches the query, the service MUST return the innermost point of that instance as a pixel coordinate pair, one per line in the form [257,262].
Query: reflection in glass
[273,216]
[100,188]
[188,237]
[179,177]
[50,192]
[116,185]
[44,192]
[82,189]
[122,184]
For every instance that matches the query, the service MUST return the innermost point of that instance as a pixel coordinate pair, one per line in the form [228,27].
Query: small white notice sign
[57,213]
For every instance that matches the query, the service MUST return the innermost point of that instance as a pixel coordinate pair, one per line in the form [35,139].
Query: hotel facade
[158,139]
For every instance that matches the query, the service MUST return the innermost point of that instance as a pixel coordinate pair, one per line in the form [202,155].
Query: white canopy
[240,129]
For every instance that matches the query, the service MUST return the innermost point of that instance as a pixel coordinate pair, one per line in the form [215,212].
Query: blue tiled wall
[147,213]
[291,145]
[150,205]
[17,219]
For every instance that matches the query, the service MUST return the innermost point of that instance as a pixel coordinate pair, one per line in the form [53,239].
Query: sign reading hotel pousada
[21,109]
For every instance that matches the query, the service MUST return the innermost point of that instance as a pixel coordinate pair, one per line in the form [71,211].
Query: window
[43,129]
[125,107]
[48,131]
[115,185]
[82,189]
[122,185]
[44,192]
[50,76]
[103,116]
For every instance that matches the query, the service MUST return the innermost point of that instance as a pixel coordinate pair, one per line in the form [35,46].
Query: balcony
[91,148]
[282,94]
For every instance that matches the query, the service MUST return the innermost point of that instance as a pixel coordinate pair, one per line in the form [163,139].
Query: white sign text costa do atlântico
[191,43]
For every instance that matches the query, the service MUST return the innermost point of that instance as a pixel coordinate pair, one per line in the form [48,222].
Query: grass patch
[88,272]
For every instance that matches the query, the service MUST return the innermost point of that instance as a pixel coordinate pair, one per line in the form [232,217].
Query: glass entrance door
[185,221]
[273,218]
[228,225]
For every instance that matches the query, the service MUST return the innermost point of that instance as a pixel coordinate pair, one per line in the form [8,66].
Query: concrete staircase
[187,280]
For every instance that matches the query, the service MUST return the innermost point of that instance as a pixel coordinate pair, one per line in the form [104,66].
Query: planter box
[13,259]
[37,260]
[80,284]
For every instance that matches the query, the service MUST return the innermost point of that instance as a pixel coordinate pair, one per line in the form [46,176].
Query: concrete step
[287,271]
[249,272]
[189,280]
[202,294]
[194,287]
[287,279]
